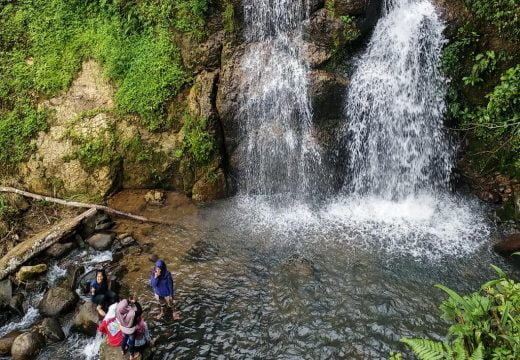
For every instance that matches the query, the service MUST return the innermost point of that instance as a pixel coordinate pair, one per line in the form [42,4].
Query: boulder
[107,352]
[26,346]
[16,303]
[127,241]
[210,187]
[6,292]
[30,272]
[57,301]
[101,241]
[85,319]
[509,245]
[51,330]
[36,285]
[59,250]
[155,197]
[6,343]
[97,222]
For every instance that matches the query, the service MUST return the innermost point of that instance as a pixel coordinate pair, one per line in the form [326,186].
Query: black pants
[104,299]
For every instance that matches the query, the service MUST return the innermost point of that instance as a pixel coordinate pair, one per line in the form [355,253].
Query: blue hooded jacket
[163,285]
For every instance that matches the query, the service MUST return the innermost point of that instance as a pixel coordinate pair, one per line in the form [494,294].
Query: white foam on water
[91,349]
[54,274]
[90,259]
[424,226]
[30,317]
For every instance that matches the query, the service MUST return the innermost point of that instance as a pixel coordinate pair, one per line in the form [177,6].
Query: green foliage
[136,149]
[484,63]
[453,54]
[498,123]
[190,17]
[351,32]
[93,151]
[228,17]
[504,14]
[486,324]
[5,209]
[330,5]
[199,143]
[43,44]
[17,128]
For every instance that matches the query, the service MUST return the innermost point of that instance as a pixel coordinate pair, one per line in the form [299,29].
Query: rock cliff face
[90,149]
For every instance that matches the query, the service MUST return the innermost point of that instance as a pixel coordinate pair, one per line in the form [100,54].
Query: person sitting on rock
[101,295]
[111,328]
[161,281]
[128,313]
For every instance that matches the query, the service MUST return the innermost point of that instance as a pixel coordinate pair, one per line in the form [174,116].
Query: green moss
[190,17]
[137,150]
[330,5]
[228,17]
[199,143]
[93,152]
[351,32]
[44,42]
[17,128]
[6,210]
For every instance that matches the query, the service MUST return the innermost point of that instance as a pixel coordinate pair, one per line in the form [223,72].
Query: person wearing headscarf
[161,281]
[111,328]
[128,313]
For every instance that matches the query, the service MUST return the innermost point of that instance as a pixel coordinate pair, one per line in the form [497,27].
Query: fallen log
[81,205]
[26,250]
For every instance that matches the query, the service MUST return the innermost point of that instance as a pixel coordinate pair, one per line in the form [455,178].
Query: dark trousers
[104,299]
[128,342]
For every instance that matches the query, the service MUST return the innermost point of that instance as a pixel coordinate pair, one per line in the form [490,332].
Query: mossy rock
[30,272]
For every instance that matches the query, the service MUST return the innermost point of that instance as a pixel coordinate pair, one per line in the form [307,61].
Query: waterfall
[395,107]
[278,153]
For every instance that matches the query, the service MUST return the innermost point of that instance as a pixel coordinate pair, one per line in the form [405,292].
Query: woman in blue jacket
[161,281]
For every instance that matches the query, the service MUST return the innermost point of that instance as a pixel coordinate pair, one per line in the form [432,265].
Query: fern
[426,349]
[478,353]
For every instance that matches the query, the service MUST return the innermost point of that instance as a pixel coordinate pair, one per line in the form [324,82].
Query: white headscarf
[111,313]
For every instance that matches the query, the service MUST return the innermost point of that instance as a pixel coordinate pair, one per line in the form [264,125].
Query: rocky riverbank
[43,300]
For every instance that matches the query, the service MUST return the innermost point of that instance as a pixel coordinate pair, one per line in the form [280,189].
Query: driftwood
[81,205]
[24,251]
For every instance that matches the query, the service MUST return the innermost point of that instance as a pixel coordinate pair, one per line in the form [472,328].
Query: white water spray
[278,152]
[395,107]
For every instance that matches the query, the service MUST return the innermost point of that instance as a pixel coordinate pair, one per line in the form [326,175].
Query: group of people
[123,321]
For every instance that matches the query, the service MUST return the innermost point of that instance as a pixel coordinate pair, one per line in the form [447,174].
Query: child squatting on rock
[161,281]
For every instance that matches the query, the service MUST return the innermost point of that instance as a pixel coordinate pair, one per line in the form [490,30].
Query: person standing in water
[161,281]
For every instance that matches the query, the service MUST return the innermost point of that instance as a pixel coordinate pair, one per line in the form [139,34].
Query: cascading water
[395,106]
[396,194]
[278,152]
